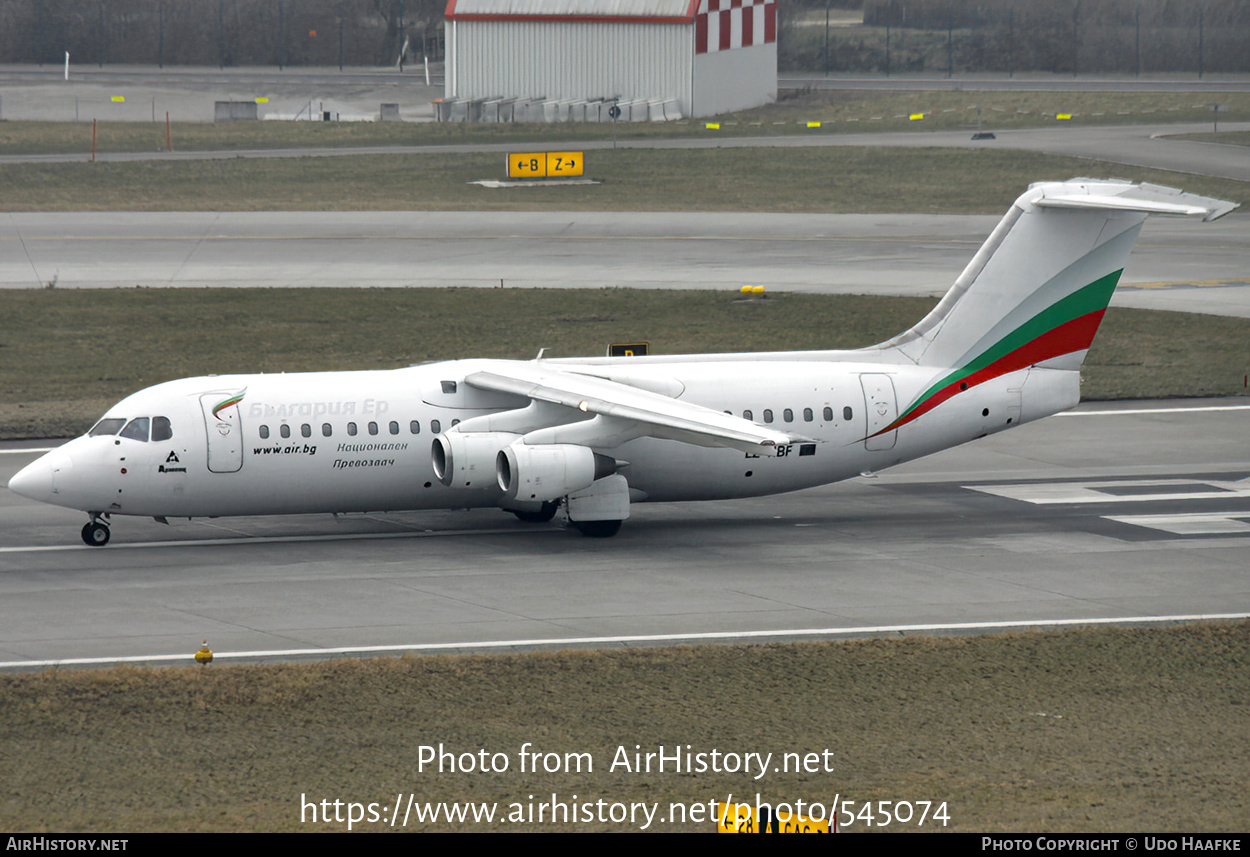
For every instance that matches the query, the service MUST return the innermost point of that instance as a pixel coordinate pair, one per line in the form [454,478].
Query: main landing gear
[592,529]
[95,532]
[597,529]
[538,516]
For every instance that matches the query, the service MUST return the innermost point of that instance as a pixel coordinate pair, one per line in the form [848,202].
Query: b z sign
[544,165]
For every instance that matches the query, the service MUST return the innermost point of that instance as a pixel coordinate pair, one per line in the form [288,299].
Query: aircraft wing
[622,412]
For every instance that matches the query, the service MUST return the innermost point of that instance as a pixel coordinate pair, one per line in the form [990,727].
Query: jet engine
[467,460]
[548,471]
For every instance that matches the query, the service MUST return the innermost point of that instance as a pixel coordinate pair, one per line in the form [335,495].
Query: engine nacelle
[467,460]
[548,471]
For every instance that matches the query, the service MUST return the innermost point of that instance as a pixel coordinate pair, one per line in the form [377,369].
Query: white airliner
[1002,348]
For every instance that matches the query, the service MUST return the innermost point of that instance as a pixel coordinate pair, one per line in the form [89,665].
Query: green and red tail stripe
[1067,326]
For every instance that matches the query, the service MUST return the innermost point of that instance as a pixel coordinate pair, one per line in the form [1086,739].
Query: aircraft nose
[37,480]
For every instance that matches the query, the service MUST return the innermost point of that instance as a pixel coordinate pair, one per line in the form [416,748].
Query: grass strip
[851,180]
[1228,138]
[67,355]
[1084,730]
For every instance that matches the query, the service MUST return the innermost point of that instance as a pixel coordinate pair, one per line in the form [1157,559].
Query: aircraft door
[881,407]
[225,431]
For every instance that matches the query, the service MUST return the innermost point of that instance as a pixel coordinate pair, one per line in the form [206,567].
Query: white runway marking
[1140,411]
[1191,523]
[721,636]
[1117,491]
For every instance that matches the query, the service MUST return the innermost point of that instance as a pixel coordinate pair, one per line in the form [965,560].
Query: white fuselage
[1004,346]
[361,441]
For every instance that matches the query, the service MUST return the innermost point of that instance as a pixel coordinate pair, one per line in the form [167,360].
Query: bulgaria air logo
[226,403]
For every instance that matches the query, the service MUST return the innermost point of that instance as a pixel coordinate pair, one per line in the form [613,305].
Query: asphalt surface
[1178,264]
[188,93]
[1109,514]
[1105,516]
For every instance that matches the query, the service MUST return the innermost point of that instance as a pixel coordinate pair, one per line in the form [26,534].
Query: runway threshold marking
[1191,523]
[723,636]
[1117,491]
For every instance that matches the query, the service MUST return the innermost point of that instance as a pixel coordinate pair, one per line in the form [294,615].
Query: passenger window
[436,426]
[807,415]
[768,415]
[264,432]
[137,429]
[828,414]
[327,430]
[161,429]
[747,415]
[414,427]
[394,427]
[787,415]
[112,425]
[373,428]
[847,414]
[284,430]
[455,423]
[351,429]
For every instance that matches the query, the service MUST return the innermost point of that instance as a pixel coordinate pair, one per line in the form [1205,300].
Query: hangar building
[562,60]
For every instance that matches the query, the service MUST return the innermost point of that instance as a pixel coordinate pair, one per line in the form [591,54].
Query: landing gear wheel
[542,516]
[95,534]
[598,529]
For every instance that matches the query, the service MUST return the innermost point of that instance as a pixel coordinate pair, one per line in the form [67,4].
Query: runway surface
[1116,512]
[1127,510]
[1178,264]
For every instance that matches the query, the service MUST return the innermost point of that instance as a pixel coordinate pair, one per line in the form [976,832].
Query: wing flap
[653,414]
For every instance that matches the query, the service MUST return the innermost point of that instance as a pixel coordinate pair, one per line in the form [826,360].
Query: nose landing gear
[95,532]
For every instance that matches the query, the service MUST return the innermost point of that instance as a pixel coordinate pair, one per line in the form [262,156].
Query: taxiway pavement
[1114,511]
[1178,264]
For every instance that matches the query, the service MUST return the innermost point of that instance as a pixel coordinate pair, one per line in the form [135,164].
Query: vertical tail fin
[1037,289]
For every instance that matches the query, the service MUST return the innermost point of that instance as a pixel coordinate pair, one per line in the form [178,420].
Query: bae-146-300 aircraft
[1002,348]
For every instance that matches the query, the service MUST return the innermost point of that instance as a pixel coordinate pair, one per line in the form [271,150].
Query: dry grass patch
[54,382]
[1087,730]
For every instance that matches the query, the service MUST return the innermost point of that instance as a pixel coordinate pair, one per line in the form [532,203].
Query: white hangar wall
[558,59]
[711,56]
[734,80]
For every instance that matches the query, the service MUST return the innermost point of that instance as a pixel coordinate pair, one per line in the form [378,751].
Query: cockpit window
[161,429]
[137,429]
[109,425]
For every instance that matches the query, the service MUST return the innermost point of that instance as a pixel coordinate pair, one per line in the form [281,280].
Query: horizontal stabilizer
[1144,198]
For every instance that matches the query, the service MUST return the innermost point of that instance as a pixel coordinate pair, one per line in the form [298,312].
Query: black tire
[542,516]
[598,529]
[95,534]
